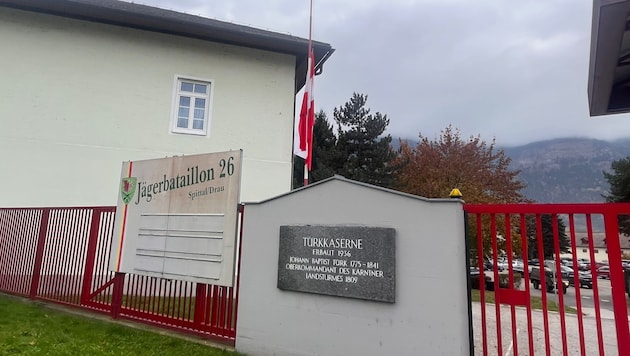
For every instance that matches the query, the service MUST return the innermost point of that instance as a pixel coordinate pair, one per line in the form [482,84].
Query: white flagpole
[309,149]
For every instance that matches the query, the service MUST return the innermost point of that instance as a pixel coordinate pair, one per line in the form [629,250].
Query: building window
[596,251]
[191,107]
[584,250]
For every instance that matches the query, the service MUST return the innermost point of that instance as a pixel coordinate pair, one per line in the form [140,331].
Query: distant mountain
[564,170]
[567,170]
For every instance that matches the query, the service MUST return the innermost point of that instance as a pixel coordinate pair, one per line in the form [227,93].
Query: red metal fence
[520,321]
[61,255]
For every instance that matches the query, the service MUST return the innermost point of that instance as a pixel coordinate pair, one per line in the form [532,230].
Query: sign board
[177,218]
[346,261]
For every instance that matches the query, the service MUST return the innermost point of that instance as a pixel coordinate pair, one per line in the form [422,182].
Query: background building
[88,84]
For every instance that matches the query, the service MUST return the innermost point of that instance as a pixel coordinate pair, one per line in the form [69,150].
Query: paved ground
[586,295]
[521,346]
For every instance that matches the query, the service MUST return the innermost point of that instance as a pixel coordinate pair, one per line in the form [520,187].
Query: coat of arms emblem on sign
[128,188]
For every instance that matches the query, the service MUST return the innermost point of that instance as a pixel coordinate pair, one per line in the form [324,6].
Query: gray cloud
[514,70]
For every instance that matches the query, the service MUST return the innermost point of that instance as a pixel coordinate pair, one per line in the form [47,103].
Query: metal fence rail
[61,255]
[19,233]
[512,231]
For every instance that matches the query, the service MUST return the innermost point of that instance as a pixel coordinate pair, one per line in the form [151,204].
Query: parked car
[489,265]
[598,265]
[567,272]
[583,264]
[584,267]
[585,278]
[603,272]
[503,264]
[550,280]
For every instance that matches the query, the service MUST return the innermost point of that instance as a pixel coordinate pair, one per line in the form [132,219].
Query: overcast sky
[511,70]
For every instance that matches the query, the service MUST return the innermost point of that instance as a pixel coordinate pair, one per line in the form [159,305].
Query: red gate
[61,255]
[521,320]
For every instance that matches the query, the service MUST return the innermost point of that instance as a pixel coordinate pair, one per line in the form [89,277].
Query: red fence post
[39,253]
[117,296]
[617,282]
[88,271]
[200,304]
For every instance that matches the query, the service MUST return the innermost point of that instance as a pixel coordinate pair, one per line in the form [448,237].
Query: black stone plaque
[345,261]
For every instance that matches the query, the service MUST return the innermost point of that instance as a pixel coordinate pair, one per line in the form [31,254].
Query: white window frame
[207,110]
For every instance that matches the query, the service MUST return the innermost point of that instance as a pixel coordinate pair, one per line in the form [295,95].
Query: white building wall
[78,98]
[430,314]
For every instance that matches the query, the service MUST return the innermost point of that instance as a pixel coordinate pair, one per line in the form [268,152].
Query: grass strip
[28,328]
[536,302]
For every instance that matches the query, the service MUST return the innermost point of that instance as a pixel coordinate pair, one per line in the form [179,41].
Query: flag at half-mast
[307,113]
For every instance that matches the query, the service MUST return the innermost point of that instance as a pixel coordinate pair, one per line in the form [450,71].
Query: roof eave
[608,27]
[153,19]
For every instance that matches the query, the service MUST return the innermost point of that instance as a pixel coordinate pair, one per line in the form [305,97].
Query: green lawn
[536,302]
[27,328]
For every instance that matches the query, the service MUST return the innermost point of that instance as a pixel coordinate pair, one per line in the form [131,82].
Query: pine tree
[324,149]
[619,181]
[363,153]
[548,240]
[298,172]
[324,153]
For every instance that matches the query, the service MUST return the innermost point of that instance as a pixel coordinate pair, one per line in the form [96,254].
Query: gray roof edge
[366,185]
[607,28]
[155,19]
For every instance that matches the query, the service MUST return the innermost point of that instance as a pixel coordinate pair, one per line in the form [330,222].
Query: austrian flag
[307,113]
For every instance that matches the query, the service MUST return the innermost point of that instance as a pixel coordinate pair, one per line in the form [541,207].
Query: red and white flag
[307,113]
